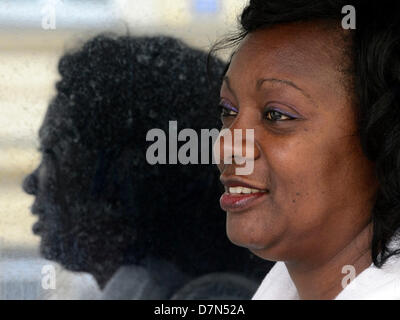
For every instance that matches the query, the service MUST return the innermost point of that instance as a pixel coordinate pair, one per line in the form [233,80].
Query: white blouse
[371,284]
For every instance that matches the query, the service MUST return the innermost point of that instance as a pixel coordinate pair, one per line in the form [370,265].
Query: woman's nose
[30,184]
[238,146]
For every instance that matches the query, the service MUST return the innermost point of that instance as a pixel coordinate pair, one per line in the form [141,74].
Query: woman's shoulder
[375,283]
[372,284]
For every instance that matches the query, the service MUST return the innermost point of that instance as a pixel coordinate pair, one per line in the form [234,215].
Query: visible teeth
[234,190]
[239,190]
[246,190]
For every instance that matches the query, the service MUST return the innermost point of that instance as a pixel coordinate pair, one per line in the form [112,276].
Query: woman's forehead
[294,44]
[302,53]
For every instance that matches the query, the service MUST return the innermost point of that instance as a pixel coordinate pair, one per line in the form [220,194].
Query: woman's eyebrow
[281,81]
[285,82]
[261,81]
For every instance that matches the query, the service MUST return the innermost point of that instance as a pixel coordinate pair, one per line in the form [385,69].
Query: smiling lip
[240,202]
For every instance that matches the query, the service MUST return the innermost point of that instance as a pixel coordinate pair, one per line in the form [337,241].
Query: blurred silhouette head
[100,204]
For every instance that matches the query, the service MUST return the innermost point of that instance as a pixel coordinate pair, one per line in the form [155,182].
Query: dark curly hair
[373,51]
[105,205]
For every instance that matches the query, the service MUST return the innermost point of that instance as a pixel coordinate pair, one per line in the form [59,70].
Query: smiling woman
[324,108]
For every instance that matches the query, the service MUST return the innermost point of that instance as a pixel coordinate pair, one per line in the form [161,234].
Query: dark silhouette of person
[143,231]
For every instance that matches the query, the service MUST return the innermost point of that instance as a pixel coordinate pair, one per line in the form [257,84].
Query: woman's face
[286,83]
[71,227]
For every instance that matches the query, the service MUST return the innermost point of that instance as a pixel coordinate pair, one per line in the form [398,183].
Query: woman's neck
[325,280]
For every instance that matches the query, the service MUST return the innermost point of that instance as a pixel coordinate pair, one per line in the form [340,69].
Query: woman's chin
[262,246]
[244,239]
[243,232]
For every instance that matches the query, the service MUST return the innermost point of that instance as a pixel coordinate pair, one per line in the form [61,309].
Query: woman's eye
[227,112]
[273,115]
